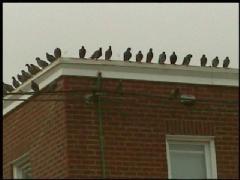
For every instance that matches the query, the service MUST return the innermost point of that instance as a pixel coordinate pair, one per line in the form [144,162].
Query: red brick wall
[63,138]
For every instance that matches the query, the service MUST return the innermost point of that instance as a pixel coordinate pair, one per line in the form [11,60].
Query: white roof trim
[126,70]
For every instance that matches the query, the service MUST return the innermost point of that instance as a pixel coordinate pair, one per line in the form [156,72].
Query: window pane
[187,165]
[187,147]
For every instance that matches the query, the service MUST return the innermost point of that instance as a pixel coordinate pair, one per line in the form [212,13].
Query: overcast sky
[32,29]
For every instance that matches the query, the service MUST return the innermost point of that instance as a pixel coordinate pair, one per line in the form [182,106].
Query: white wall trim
[125,70]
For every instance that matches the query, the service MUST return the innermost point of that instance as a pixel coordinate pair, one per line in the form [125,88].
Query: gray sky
[32,29]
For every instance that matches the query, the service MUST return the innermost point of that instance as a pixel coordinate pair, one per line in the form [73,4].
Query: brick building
[112,119]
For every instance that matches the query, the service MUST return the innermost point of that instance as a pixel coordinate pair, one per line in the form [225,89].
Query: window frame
[209,151]
[17,164]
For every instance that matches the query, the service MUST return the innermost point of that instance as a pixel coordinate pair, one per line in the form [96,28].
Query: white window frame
[209,151]
[18,164]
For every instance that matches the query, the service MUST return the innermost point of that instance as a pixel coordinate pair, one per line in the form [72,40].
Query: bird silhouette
[35,68]
[173,58]
[30,70]
[226,62]
[82,52]
[26,75]
[57,53]
[34,86]
[149,56]
[139,56]
[127,55]
[41,63]
[215,62]
[50,58]
[7,87]
[203,60]
[162,58]
[108,53]
[15,83]
[21,78]
[187,59]
[97,54]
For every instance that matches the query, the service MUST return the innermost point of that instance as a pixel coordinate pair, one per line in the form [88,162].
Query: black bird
[203,60]
[15,83]
[108,53]
[30,70]
[35,68]
[97,54]
[215,62]
[149,56]
[173,58]
[8,87]
[127,55]
[139,56]
[226,62]
[41,63]
[82,52]
[50,58]
[187,59]
[57,53]
[162,58]
[26,75]
[34,86]
[21,78]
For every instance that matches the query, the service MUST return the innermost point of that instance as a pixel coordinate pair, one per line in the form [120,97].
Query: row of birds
[33,69]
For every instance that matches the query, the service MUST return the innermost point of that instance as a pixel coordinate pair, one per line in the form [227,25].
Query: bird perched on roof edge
[50,58]
[215,62]
[57,53]
[173,58]
[15,83]
[82,52]
[139,56]
[97,54]
[127,55]
[108,53]
[203,60]
[41,63]
[226,62]
[149,56]
[162,58]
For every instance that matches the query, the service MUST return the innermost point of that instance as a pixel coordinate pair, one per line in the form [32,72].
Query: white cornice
[127,70]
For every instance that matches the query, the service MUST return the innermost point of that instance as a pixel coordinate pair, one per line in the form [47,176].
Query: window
[191,157]
[21,168]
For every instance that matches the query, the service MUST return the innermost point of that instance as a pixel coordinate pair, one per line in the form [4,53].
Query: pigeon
[30,70]
[8,87]
[35,68]
[173,58]
[203,60]
[108,53]
[82,52]
[50,58]
[187,59]
[26,75]
[34,86]
[149,56]
[215,62]
[139,56]
[21,78]
[162,58]
[57,53]
[41,63]
[127,55]
[226,62]
[97,54]
[15,83]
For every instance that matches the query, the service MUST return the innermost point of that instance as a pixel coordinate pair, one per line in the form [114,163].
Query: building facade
[101,119]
